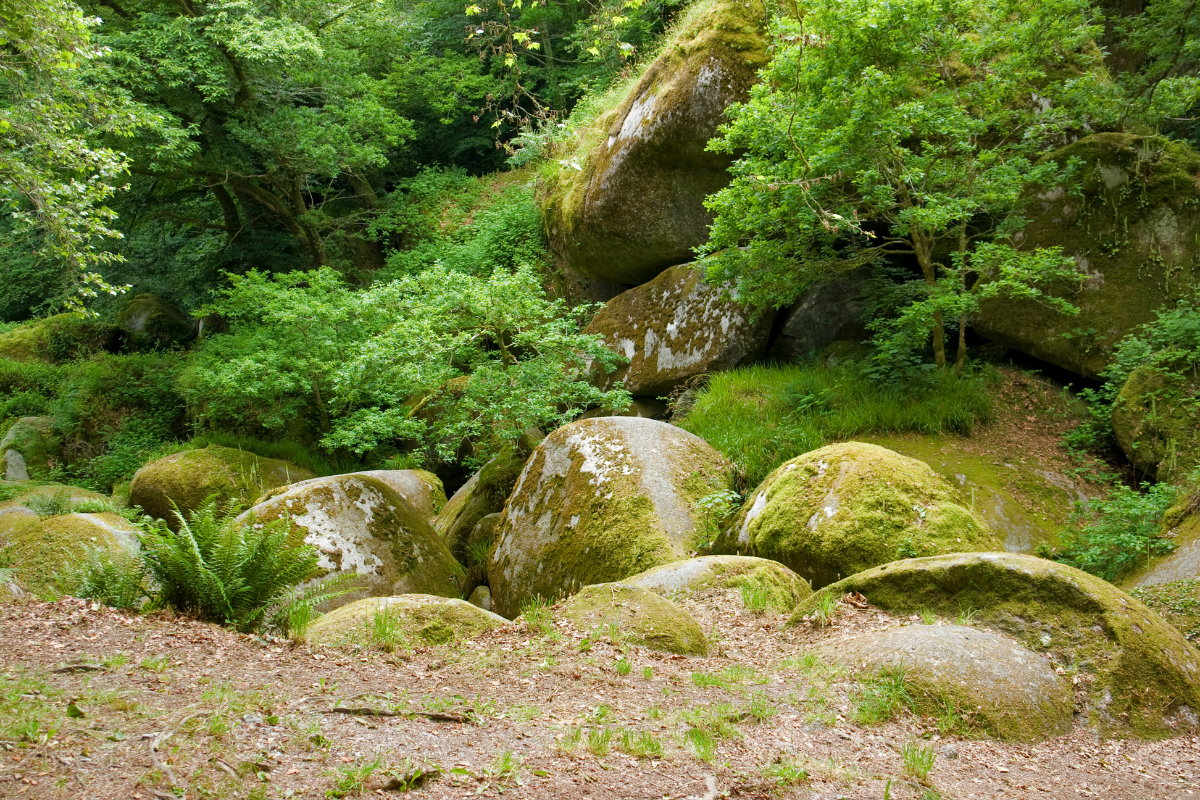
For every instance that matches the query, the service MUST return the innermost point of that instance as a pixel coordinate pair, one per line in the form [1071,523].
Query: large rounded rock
[51,499]
[148,322]
[630,201]
[421,488]
[848,507]
[53,339]
[600,500]
[47,551]
[781,587]
[829,312]
[639,616]
[482,495]
[29,450]
[185,480]
[414,620]
[676,327]
[1141,676]
[1132,224]
[360,526]
[1181,526]
[1156,423]
[1010,691]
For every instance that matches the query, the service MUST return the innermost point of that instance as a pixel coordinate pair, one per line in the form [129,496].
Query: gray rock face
[14,466]
[1010,691]
[148,322]
[481,598]
[829,312]
[421,489]
[676,327]
[633,204]
[600,500]
[360,525]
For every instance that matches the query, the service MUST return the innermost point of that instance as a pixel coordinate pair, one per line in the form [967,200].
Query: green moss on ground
[1178,602]
[639,616]
[1142,676]
[409,621]
[848,507]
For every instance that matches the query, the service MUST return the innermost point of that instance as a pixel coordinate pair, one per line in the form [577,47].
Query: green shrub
[761,416]
[1119,531]
[222,570]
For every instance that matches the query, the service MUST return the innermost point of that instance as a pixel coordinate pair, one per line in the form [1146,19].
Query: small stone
[252,719]
[949,751]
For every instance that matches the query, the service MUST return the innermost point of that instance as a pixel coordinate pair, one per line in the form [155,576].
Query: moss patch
[148,322]
[781,587]
[412,620]
[848,507]
[1131,222]
[185,480]
[38,450]
[483,494]
[1156,420]
[53,339]
[640,616]
[600,500]
[1140,675]
[1025,504]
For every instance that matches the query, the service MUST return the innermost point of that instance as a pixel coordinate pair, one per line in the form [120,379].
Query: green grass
[701,743]
[599,741]
[1178,602]
[918,760]
[762,416]
[726,678]
[641,744]
[880,696]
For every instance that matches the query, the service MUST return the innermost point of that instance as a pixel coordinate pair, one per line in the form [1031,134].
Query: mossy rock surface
[21,493]
[1132,224]
[361,526]
[1008,690]
[629,201]
[30,450]
[1022,502]
[1157,424]
[676,327]
[416,620]
[782,587]
[53,339]
[45,551]
[421,488]
[485,493]
[848,507]
[601,500]
[1141,676]
[641,617]
[184,480]
[148,322]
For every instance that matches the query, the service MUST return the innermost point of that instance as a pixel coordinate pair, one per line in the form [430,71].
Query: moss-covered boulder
[1140,675]
[833,311]
[676,327]
[629,200]
[780,588]
[1157,424]
[148,322]
[47,551]
[600,500]
[24,500]
[851,506]
[1181,526]
[483,494]
[639,616]
[29,450]
[415,620]
[1007,690]
[421,488]
[361,526]
[54,339]
[1132,224]
[1017,495]
[184,480]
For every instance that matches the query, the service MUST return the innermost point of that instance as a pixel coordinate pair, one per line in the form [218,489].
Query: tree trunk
[924,251]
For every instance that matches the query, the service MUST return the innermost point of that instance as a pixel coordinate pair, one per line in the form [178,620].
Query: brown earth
[165,701]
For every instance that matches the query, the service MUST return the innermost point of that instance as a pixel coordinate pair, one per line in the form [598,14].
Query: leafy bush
[761,416]
[433,360]
[1120,530]
[234,573]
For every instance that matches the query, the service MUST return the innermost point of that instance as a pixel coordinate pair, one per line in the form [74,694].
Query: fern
[219,569]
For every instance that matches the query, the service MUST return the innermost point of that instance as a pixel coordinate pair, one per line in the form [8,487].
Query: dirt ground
[98,704]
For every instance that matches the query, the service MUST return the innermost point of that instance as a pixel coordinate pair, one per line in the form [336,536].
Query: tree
[431,360]
[905,129]
[54,115]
